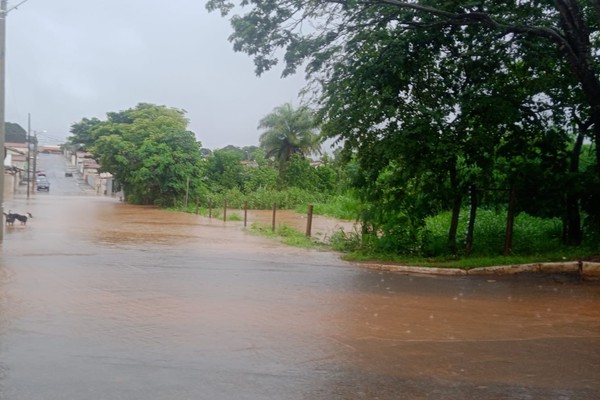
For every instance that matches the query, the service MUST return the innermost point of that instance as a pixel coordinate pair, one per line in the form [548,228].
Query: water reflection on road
[103,300]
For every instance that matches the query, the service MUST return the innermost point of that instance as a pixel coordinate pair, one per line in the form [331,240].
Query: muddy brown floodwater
[104,300]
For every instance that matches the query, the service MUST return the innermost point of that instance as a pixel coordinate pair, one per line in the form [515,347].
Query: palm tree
[289,132]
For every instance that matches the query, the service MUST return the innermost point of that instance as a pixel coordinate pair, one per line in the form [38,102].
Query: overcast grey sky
[70,59]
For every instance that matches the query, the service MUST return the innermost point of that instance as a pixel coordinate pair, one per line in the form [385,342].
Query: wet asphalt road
[104,300]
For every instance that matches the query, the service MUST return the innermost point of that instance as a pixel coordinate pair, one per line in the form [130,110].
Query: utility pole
[35,152]
[28,154]
[3,13]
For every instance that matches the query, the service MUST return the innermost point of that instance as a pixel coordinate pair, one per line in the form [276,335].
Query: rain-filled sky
[70,59]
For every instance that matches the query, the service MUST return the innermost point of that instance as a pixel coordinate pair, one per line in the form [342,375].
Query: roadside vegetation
[236,178]
[471,143]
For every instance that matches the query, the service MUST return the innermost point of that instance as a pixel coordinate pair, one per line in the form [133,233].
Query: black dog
[11,217]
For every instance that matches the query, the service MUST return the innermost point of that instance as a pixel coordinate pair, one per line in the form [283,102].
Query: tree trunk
[471,225]
[572,234]
[578,52]
[455,210]
[510,221]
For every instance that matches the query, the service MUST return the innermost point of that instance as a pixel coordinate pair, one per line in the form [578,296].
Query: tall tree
[81,133]
[15,133]
[149,151]
[224,169]
[568,28]
[561,37]
[289,131]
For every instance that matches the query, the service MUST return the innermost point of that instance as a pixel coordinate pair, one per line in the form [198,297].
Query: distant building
[50,149]
[15,165]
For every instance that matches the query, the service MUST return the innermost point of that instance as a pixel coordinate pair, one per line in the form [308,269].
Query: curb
[587,270]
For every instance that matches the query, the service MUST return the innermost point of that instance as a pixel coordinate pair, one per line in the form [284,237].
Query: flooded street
[104,300]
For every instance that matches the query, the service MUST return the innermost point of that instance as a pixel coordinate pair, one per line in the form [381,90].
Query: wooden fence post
[309,218]
[274,212]
[245,213]
[225,211]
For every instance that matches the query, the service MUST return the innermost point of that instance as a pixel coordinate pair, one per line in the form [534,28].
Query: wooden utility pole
[28,154]
[35,153]
[3,13]
[2,106]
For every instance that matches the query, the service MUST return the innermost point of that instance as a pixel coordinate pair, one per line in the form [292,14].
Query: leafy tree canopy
[566,28]
[148,150]
[81,132]
[437,100]
[289,131]
[15,133]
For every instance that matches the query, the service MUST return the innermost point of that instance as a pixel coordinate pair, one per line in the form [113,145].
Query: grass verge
[288,236]
[463,263]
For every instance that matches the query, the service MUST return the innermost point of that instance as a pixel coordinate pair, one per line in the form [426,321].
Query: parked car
[43,184]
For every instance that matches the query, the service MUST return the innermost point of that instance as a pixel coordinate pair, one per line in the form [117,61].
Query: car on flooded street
[43,184]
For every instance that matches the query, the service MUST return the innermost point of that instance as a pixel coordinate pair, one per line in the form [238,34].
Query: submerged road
[105,300]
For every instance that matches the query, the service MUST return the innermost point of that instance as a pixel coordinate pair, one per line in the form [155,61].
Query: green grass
[288,236]
[234,217]
[462,263]
[340,206]
[291,237]
[535,239]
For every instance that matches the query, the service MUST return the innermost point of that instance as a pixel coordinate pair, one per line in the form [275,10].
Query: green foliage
[261,199]
[259,174]
[224,170]
[345,206]
[346,241]
[259,179]
[286,235]
[537,239]
[83,133]
[234,217]
[433,102]
[533,235]
[14,133]
[591,202]
[289,131]
[148,150]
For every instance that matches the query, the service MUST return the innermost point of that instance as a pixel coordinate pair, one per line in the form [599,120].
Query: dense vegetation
[453,108]
[14,133]
[157,161]
[147,149]
[465,128]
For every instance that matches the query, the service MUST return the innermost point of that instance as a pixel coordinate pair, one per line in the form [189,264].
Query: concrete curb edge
[588,270]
